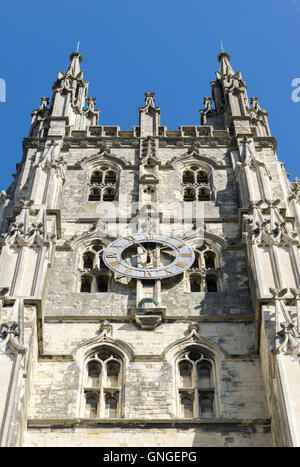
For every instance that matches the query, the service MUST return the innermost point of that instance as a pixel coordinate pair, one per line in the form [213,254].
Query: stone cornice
[120,319]
[142,422]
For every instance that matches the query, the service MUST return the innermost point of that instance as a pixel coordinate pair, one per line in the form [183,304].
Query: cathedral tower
[149,278]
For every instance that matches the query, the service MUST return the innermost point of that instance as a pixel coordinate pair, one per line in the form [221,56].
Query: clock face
[148,256]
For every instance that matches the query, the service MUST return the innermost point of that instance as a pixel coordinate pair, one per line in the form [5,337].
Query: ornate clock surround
[183,256]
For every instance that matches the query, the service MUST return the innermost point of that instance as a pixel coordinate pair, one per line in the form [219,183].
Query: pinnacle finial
[149,99]
[74,55]
[224,60]
[75,59]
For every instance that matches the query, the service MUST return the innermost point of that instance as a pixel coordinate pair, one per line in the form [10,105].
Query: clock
[148,256]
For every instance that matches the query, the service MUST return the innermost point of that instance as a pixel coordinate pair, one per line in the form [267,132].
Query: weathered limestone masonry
[199,352]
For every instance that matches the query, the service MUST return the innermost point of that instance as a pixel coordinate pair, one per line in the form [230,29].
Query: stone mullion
[195,390]
[120,389]
[102,391]
[101,403]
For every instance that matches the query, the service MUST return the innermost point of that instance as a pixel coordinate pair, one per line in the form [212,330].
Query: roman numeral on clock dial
[181,264]
[111,255]
[128,271]
[114,263]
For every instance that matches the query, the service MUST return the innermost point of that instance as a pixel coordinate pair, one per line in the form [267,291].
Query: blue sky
[166,46]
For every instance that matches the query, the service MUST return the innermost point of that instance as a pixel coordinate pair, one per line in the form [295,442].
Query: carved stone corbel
[9,333]
[291,339]
[105,330]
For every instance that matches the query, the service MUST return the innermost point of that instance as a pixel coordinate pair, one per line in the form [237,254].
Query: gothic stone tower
[150,288]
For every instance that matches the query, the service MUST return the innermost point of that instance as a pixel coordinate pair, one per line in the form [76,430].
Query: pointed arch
[87,346]
[197,363]
[212,239]
[103,361]
[188,158]
[197,177]
[193,339]
[104,157]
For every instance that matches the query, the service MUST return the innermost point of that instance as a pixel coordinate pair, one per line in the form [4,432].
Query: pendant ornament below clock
[148,256]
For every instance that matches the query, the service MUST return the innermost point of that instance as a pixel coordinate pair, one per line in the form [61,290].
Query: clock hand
[161,248]
[141,246]
[148,251]
[151,251]
[138,254]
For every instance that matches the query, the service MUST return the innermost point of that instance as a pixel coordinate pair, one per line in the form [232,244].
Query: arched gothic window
[103,382]
[103,184]
[196,384]
[86,283]
[196,181]
[94,274]
[205,271]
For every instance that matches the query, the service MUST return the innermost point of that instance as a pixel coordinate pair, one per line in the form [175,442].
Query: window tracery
[196,181]
[196,384]
[103,383]
[103,184]
[94,274]
[204,273]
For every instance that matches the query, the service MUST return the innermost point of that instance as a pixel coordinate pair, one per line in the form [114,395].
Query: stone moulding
[194,155]
[168,422]
[148,318]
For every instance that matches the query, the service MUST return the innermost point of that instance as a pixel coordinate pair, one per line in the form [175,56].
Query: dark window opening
[109,195]
[102,283]
[111,177]
[189,195]
[95,195]
[96,177]
[203,194]
[86,284]
[209,258]
[211,284]
[202,177]
[188,177]
[88,260]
